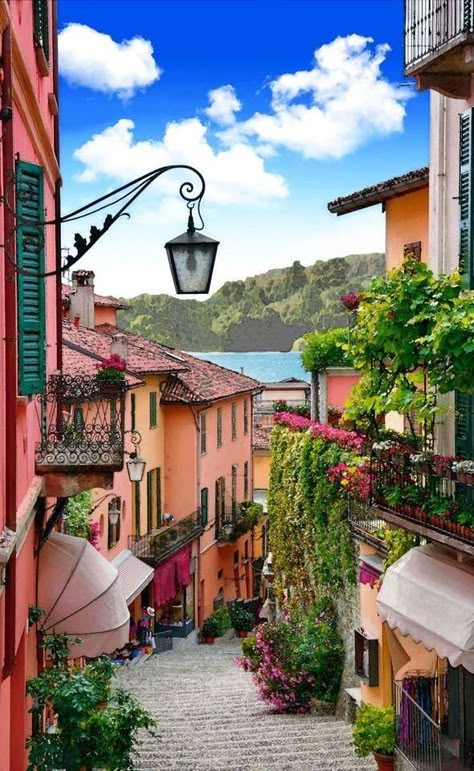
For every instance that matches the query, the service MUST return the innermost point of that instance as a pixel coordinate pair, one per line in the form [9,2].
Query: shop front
[173,594]
[427,605]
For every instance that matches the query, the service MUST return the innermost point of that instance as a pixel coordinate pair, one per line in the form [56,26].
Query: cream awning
[80,592]
[430,596]
[134,575]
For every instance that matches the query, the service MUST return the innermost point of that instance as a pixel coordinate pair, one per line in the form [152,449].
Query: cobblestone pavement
[211,720]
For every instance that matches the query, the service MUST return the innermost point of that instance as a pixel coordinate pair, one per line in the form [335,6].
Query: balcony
[81,423]
[366,526]
[236,521]
[422,493]
[439,45]
[159,544]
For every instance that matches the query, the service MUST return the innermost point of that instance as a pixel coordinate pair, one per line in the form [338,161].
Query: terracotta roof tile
[207,381]
[200,382]
[193,381]
[109,302]
[77,361]
[389,188]
[142,359]
[261,438]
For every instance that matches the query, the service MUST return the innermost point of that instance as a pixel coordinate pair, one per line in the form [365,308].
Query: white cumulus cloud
[233,175]
[223,105]
[333,108]
[94,60]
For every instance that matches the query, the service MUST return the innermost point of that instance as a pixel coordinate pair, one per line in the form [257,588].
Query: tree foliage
[325,349]
[413,339]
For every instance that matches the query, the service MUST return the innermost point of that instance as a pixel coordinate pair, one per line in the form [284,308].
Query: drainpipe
[57,197]
[10,344]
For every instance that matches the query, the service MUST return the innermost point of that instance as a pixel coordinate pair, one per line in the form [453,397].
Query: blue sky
[235,88]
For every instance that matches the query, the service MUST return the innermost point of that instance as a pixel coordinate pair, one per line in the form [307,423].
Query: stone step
[210,719]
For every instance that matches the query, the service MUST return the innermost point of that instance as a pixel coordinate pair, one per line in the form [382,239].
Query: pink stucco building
[28,334]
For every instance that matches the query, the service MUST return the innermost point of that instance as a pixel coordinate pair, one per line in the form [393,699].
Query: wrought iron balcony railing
[365,524]
[156,546]
[234,521]
[82,424]
[423,489]
[432,27]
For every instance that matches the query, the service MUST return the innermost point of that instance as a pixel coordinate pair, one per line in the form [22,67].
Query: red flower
[351,301]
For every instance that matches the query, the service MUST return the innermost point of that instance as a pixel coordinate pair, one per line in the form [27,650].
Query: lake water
[266,366]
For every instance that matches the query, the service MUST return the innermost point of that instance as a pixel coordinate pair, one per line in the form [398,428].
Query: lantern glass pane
[135,468]
[192,266]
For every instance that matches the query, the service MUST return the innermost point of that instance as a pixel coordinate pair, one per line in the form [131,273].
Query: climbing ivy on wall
[309,532]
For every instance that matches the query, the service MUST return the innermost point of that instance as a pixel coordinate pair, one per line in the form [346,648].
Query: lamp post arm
[133,190]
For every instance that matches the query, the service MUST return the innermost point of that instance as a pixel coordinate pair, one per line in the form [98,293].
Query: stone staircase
[211,720]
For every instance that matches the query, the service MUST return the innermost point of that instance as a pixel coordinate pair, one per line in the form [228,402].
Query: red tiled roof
[207,382]
[147,358]
[261,438]
[390,188]
[109,302]
[77,361]
[199,382]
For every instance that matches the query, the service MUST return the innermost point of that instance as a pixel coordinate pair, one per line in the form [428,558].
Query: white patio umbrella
[80,592]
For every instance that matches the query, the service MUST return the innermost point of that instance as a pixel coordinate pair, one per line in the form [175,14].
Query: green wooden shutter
[149,501]
[158,497]
[40,24]
[465,402]
[466,197]
[153,409]
[30,292]
[464,425]
[136,486]
[204,506]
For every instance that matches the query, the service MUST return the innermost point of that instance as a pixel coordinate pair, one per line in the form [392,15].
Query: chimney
[120,346]
[82,297]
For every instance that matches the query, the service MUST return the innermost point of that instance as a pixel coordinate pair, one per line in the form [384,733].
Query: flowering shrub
[348,440]
[94,537]
[351,301]
[111,368]
[354,478]
[463,466]
[297,659]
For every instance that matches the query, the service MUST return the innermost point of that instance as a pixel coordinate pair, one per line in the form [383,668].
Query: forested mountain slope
[262,313]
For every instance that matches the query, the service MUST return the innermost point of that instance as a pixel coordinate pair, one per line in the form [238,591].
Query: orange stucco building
[195,421]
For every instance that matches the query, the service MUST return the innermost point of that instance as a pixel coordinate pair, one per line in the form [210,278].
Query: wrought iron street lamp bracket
[123,197]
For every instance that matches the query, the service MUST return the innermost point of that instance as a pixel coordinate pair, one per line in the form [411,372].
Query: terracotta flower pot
[384,762]
[208,640]
[242,633]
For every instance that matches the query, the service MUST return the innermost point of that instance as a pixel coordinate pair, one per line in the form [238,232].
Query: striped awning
[134,575]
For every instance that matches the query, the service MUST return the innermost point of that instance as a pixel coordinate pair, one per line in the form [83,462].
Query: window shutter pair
[30,288]
[465,402]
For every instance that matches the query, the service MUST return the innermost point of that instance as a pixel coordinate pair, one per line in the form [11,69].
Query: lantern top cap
[191,237]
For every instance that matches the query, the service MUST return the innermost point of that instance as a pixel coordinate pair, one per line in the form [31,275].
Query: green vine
[309,532]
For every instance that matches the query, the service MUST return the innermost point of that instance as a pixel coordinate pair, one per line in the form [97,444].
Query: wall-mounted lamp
[191,255]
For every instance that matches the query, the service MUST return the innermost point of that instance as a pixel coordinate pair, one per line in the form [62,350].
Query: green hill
[267,312]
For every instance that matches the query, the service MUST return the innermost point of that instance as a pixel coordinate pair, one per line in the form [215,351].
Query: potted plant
[243,622]
[110,375]
[374,731]
[210,630]
[96,726]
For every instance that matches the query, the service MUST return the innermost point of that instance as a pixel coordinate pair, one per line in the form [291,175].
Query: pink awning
[80,592]
[172,576]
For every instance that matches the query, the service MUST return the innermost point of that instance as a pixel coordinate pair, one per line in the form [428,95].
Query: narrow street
[210,719]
